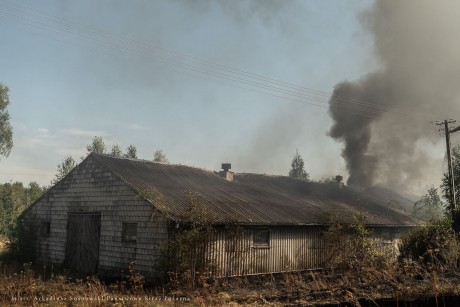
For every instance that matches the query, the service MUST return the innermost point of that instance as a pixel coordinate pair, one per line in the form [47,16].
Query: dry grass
[408,282]
[27,287]
[402,282]
[357,274]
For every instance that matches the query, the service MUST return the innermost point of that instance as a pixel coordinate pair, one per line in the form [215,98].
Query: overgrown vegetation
[185,255]
[26,286]
[349,246]
[16,242]
[435,244]
[430,207]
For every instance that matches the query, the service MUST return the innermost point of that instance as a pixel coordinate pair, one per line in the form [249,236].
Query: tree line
[97,145]
[16,197]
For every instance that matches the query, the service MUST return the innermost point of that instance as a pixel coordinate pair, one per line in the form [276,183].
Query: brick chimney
[228,175]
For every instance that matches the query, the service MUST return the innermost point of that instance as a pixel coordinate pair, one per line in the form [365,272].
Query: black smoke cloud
[417,45]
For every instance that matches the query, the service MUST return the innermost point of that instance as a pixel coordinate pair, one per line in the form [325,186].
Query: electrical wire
[244,79]
[183,56]
[225,76]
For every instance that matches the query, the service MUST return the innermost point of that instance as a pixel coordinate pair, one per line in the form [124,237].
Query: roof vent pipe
[339,179]
[225,171]
[226,166]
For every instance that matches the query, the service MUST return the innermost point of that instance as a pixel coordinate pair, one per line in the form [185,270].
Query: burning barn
[109,212]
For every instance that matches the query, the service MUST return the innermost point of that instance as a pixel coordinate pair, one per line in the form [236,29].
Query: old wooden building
[109,212]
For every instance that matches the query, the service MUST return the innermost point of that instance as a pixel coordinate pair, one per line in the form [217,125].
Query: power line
[183,56]
[264,85]
[231,78]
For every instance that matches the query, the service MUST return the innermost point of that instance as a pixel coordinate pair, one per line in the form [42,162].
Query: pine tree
[297,168]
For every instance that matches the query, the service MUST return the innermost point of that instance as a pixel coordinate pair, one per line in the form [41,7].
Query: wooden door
[82,249]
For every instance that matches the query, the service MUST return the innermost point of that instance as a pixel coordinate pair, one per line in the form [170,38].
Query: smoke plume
[417,45]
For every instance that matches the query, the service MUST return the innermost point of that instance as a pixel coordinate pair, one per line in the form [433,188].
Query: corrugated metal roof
[254,198]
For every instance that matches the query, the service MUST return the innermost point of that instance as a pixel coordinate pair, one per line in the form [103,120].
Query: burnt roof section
[252,198]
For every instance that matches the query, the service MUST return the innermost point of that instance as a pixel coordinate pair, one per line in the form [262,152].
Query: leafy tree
[63,169]
[131,152]
[430,206]
[434,243]
[97,145]
[160,156]
[33,192]
[6,131]
[14,199]
[297,168]
[116,151]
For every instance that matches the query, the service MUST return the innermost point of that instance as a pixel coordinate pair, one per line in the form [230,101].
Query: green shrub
[21,243]
[349,245]
[184,256]
[435,243]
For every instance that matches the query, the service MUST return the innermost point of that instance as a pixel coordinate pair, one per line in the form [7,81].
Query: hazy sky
[68,85]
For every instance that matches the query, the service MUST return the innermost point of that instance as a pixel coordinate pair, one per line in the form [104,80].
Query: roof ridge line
[151,161]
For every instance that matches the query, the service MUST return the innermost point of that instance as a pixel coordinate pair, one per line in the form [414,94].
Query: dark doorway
[82,249]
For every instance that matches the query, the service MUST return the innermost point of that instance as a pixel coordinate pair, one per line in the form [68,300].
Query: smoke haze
[417,45]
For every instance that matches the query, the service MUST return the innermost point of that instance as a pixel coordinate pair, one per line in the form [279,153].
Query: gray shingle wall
[91,188]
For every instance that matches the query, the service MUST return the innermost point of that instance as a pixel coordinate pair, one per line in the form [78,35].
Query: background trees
[14,199]
[97,145]
[63,169]
[6,131]
[430,206]
[297,168]
[116,151]
[131,152]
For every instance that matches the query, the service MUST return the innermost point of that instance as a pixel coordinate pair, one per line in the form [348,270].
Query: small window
[261,237]
[129,232]
[45,229]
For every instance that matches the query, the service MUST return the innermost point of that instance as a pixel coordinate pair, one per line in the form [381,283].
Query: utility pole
[453,200]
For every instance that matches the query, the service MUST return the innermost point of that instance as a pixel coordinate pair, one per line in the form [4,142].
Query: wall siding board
[89,188]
